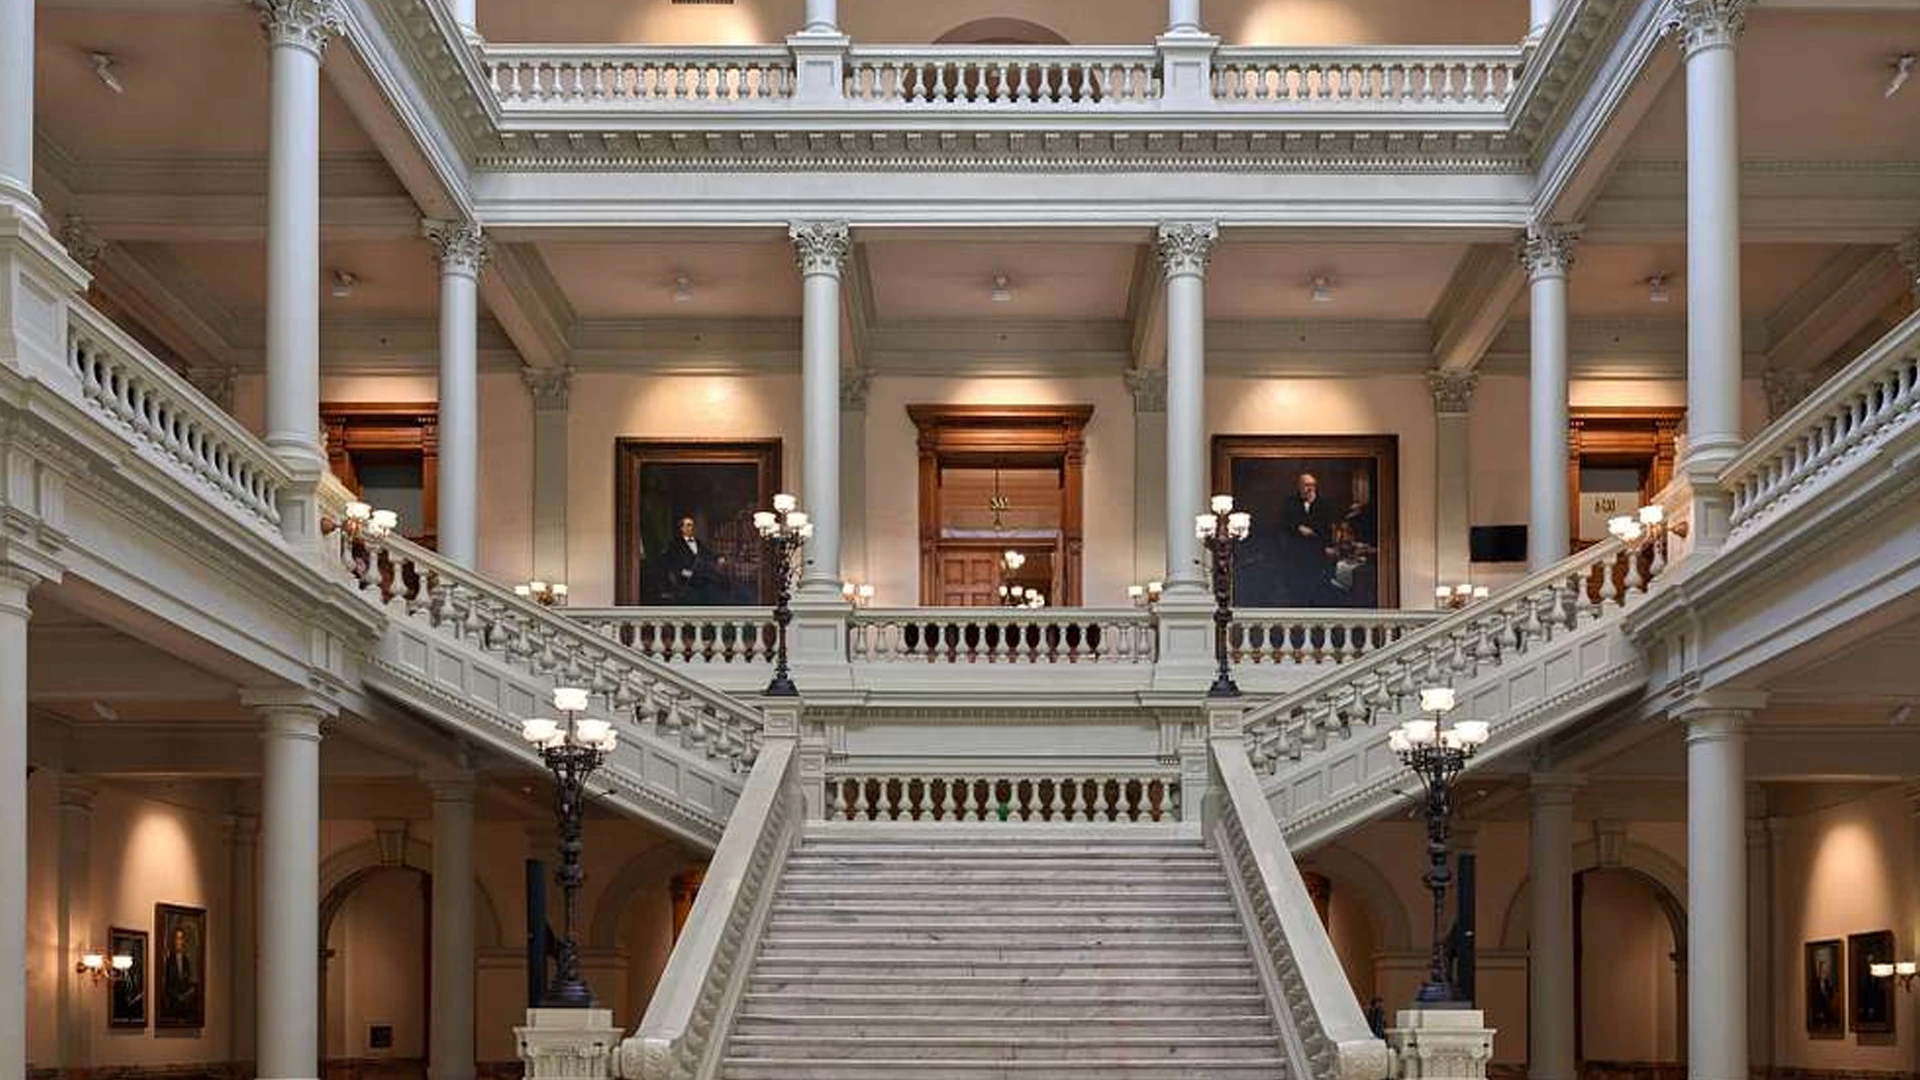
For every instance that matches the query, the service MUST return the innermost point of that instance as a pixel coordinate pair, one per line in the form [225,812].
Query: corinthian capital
[1452,391]
[305,24]
[1706,24]
[1547,249]
[460,247]
[821,247]
[549,387]
[1909,252]
[1186,246]
[1149,389]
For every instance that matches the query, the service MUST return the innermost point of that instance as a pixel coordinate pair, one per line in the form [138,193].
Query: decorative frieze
[1186,247]
[1452,391]
[820,247]
[303,24]
[1547,250]
[549,386]
[1706,24]
[1149,389]
[460,247]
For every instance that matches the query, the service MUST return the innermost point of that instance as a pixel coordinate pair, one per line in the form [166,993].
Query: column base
[1440,1044]
[568,1044]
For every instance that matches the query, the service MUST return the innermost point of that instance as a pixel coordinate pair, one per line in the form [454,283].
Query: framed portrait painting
[1826,990]
[683,521]
[1326,522]
[127,994]
[1870,997]
[180,977]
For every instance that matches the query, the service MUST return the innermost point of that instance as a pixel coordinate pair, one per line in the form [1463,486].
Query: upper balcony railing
[531,81]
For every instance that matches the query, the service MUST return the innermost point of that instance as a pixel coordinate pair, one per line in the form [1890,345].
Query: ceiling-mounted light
[343,283]
[1902,71]
[1001,291]
[1321,289]
[682,289]
[1658,290]
[103,67]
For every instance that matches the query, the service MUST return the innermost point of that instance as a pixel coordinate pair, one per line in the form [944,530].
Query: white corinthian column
[1185,250]
[1546,253]
[821,248]
[461,250]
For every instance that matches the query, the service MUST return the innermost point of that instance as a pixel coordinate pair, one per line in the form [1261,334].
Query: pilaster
[1453,469]
[853,479]
[549,390]
[74,921]
[1148,387]
[1909,252]
[242,835]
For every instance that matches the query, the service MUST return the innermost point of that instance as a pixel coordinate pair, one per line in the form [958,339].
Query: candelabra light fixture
[1454,597]
[859,594]
[100,967]
[361,523]
[1220,529]
[1011,592]
[998,503]
[1903,972]
[785,529]
[1646,532]
[1145,596]
[544,593]
[1437,751]
[572,749]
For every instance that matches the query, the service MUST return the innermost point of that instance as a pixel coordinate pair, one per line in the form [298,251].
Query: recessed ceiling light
[682,289]
[1658,290]
[1902,71]
[103,67]
[1321,289]
[343,283]
[1001,291]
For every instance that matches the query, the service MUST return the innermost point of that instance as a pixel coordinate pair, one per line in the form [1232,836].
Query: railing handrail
[1436,632]
[739,878]
[723,704]
[1812,415]
[1323,1013]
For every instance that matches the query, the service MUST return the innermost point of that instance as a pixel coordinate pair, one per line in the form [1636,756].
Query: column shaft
[462,251]
[16,104]
[452,1054]
[823,17]
[14,613]
[1540,15]
[293,257]
[463,14]
[1716,895]
[822,247]
[1547,253]
[288,1038]
[1550,1013]
[1185,250]
[75,929]
[1183,16]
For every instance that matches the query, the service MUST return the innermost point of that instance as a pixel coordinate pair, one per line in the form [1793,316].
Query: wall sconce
[1905,972]
[1454,597]
[857,594]
[101,968]
[544,593]
[1145,596]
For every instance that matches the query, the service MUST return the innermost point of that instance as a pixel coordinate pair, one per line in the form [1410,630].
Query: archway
[1000,31]
[634,919]
[1363,914]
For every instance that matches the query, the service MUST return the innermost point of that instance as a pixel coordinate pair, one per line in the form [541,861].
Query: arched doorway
[1630,992]
[377,941]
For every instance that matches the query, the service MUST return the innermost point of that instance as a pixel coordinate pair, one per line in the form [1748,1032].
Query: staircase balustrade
[164,413]
[1326,1033]
[995,796]
[1276,637]
[1001,636]
[1864,406]
[688,636]
[1460,77]
[1594,586]
[684,1029]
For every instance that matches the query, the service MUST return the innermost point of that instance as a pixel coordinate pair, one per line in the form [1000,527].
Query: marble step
[987,941]
[989,894]
[1168,1003]
[1220,909]
[1073,858]
[893,870]
[1018,1023]
[1129,985]
[927,1068]
[1098,1047]
[931,968]
[1004,923]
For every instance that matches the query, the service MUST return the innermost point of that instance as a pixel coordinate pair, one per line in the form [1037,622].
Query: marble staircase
[1110,951]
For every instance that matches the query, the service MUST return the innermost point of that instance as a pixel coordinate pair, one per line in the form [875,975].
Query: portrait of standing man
[180,1000]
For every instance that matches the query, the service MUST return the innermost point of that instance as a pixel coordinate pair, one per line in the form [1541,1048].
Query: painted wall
[377,968]
[1628,982]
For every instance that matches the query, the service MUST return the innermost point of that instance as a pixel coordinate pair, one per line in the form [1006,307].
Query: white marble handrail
[986,635]
[998,795]
[686,635]
[165,413]
[461,604]
[1860,407]
[1482,78]
[684,1028]
[1327,1037]
[638,75]
[1279,636]
[1046,76]
[1595,585]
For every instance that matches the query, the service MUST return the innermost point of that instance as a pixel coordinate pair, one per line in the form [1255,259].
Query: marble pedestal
[568,1044]
[1441,1044]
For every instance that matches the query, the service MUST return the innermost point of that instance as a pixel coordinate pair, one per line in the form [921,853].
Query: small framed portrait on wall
[1326,521]
[683,521]
[1826,990]
[180,976]
[1871,996]
[127,995]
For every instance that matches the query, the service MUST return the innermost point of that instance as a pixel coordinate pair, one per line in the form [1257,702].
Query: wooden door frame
[393,426]
[1012,435]
[1635,432]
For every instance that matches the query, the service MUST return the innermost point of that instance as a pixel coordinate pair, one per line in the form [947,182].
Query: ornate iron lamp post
[1220,530]
[572,750]
[786,530]
[1436,751]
